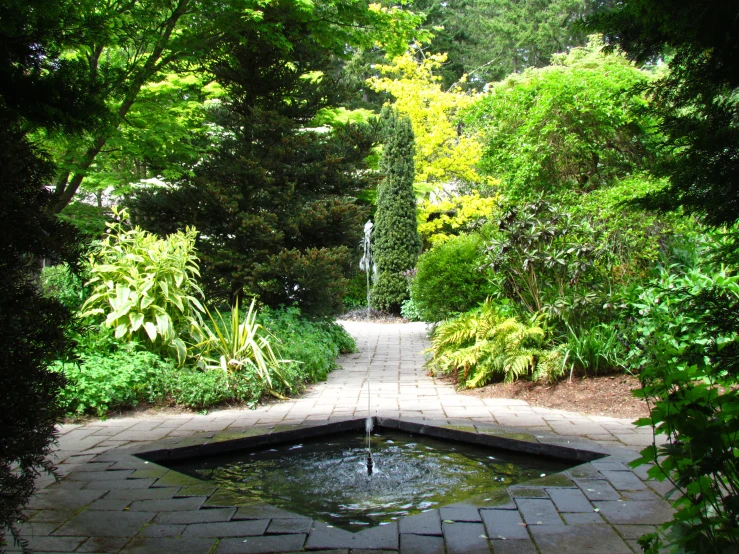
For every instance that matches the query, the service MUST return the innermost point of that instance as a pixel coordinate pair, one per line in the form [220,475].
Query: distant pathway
[111,501]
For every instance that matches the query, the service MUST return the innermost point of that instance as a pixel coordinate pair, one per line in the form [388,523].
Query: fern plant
[486,344]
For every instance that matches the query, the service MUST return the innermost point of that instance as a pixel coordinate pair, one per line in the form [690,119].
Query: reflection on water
[327,479]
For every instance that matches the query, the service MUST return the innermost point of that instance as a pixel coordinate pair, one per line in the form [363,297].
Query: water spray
[367,264]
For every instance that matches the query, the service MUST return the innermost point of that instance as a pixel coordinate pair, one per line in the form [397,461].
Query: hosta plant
[241,346]
[486,344]
[145,287]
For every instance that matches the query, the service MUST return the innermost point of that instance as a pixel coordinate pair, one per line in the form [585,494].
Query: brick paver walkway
[110,501]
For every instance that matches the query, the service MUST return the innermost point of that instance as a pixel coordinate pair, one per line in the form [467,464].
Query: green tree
[275,204]
[127,47]
[396,240]
[566,127]
[697,101]
[491,39]
[39,89]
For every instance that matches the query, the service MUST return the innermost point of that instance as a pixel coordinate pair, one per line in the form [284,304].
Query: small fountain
[367,265]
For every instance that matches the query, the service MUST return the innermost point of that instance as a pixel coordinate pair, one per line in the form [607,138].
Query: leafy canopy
[568,126]
[445,153]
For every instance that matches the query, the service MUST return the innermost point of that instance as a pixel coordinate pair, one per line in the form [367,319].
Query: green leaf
[151,330]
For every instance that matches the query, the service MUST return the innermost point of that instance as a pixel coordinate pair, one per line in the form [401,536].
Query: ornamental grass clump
[241,347]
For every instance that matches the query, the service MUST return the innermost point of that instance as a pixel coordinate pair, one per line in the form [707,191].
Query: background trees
[276,203]
[696,101]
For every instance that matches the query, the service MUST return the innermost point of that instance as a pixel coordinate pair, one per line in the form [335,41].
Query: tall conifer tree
[397,243]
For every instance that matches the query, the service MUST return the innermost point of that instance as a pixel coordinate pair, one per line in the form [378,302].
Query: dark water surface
[326,478]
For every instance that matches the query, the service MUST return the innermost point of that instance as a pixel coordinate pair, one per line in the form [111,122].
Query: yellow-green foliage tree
[445,152]
[440,220]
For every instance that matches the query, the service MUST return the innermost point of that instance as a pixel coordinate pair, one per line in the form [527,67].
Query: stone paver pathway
[111,501]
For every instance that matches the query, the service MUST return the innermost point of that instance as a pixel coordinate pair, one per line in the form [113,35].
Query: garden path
[110,501]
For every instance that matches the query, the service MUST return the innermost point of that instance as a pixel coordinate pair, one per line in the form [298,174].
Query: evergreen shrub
[396,240]
[450,280]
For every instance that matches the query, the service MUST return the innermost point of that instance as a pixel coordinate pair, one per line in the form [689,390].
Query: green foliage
[60,282]
[199,390]
[569,126]
[451,279]
[276,203]
[696,100]
[154,121]
[240,346]
[593,350]
[687,353]
[313,344]
[31,324]
[104,381]
[356,294]
[145,286]
[441,219]
[486,344]
[541,260]
[490,39]
[396,240]
[444,153]
[410,311]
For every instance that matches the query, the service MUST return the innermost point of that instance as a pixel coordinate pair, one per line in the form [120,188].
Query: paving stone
[120,484]
[37,528]
[514,547]
[537,511]
[528,492]
[263,511]
[180,546]
[635,512]
[460,513]
[195,516]
[425,523]
[641,495]
[98,475]
[103,544]
[570,500]
[377,538]
[159,530]
[262,545]
[609,465]
[109,504]
[196,490]
[579,518]
[142,494]
[290,526]
[635,531]
[170,505]
[624,480]
[465,538]
[332,551]
[49,544]
[597,489]
[420,544]
[61,499]
[504,525]
[227,529]
[105,524]
[596,539]
[52,516]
